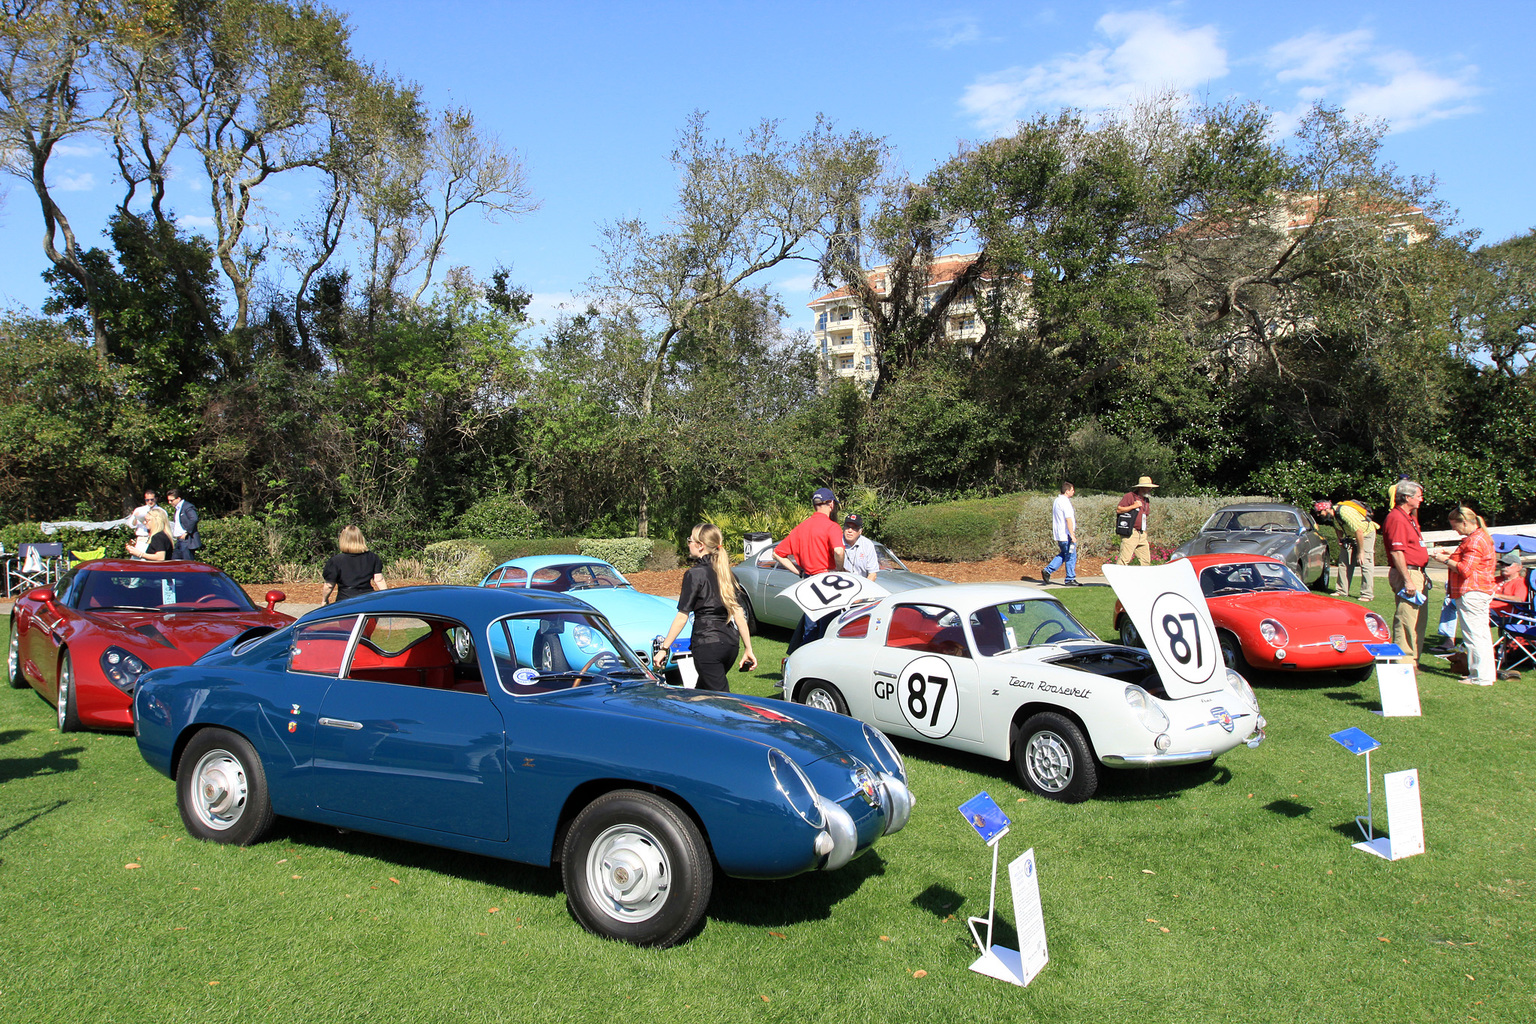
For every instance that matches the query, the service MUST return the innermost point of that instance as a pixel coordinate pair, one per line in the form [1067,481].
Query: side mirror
[43,595]
[273,597]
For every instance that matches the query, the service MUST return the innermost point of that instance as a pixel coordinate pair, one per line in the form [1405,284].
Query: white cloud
[68,182]
[547,306]
[1349,70]
[952,32]
[1149,53]
[188,220]
[71,150]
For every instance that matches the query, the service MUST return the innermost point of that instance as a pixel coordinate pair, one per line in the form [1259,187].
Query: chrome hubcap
[628,873]
[1049,761]
[13,654]
[64,682]
[819,698]
[219,789]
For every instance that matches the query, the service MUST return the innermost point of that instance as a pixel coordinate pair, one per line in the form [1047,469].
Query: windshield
[1267,519]
[1014,625]
[559,650]
[888,561]
[189,591]
[1248,578]
[577,576]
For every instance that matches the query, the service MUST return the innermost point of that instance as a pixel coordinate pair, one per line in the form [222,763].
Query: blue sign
[982,814]
[1354,741]
[1385,650]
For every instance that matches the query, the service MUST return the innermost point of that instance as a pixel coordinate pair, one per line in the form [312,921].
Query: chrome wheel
[13,658]
[824,696]
[819,698]
[629,873]
[219,789]
[69,717]
[1048,761]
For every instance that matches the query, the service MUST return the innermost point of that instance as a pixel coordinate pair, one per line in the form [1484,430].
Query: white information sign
[1399,690]
[1405,818]
[830,591]
[1019,966]
[1166,606]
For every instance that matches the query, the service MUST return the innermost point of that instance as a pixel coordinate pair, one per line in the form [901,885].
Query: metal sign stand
[998,962]
[1357,742]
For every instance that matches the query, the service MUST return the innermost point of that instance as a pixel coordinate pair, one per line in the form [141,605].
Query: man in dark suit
[183,526]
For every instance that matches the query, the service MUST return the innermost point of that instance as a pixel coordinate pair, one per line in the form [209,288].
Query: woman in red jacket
[1471,587]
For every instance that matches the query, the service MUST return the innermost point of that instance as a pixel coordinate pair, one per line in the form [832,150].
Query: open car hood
[1165,604]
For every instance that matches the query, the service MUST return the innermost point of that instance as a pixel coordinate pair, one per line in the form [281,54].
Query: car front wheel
[1052,758]
[636,869]
[69,712]
[221,789]
[1232,652]
[1129,636]
[13,659]
[817,694]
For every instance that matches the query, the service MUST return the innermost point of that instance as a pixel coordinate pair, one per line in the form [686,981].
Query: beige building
[844,337]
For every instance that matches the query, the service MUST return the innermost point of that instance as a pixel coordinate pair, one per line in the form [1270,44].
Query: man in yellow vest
[1357,545]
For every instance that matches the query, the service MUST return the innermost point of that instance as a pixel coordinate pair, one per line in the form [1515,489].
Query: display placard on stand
[1405,816]
[991,824]
[1398,683]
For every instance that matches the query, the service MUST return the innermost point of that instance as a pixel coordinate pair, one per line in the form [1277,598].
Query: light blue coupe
[638,618]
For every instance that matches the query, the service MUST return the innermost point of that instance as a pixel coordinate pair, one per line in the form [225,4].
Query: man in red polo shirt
[815,546]
[1408,557]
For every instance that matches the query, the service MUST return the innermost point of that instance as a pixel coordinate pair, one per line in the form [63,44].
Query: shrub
[1174,521]
[502,549]
[623,553]
[456,561]
[238,545]
[663,556]
[734,525]
[498,517]
[959,531]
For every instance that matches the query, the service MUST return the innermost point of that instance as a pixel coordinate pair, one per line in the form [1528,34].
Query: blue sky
[592,96]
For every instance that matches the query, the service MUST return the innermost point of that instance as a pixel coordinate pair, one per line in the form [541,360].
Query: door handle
[341,723]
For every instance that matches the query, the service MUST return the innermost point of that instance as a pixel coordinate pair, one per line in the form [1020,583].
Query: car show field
[1192,895]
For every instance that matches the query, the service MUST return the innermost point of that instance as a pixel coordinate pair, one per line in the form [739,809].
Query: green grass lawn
[1224,893]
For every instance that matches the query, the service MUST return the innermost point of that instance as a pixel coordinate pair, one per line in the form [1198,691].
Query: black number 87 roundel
[1179,635]
[831,586]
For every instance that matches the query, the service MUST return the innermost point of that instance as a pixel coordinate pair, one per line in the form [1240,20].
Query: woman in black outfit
[709,592]
[355,570]
[157,547]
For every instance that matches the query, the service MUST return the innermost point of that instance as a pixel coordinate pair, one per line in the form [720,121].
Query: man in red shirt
[815,546]
[1512,593]
[1137,503]
[1408,557]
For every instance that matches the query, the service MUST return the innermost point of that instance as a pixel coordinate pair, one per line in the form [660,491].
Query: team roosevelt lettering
[1080,692]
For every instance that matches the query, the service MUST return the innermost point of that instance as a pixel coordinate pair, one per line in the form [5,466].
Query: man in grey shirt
[859,551]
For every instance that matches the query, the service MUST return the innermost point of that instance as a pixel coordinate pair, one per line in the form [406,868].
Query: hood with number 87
[1166,606]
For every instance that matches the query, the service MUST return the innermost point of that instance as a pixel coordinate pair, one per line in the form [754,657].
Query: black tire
[818,694]
[13,659]
[636,869]
[1232,652]
[548,655]
[746,609]
[1129,635]
[68,707]
[1358,674]
[1052,758]
[221,789]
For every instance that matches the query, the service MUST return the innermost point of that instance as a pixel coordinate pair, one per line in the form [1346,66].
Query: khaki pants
[1135,546]
[1472,609]
[1351,559]
[1408,621]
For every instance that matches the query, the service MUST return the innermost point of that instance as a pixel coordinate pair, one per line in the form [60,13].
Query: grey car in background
[762,581]
[1279,531]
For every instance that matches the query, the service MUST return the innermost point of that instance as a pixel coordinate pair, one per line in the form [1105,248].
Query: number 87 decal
[927,696]
[1184,638]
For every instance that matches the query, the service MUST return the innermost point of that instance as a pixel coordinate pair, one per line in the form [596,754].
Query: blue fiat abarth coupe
[421,713]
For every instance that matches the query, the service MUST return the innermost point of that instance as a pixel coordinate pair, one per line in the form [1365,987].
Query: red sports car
[1266,619]
[84,643]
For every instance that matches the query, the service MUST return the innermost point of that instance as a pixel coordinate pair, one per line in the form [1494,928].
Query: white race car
[1006,671]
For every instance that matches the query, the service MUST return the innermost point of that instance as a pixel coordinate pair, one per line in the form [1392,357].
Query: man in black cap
[859,555]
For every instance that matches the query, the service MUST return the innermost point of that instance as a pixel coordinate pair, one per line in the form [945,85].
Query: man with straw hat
[1132,514]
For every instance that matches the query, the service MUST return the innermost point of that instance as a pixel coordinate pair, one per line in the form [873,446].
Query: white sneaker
[1477,682]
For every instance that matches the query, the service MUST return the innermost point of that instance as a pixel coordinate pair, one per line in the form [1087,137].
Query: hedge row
[1019,526]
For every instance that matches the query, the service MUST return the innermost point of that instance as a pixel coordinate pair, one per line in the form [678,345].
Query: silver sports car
[763,582]
[1278,531]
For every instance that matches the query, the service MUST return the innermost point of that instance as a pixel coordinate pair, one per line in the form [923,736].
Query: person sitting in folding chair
[1514,614]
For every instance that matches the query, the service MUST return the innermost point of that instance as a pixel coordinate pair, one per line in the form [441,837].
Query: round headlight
[796,787]
[1152,717]
[884,752]
[1273,633]
[1376,624]
[1239,686]
[582,635]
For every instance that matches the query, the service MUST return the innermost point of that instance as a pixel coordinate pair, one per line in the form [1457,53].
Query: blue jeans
[1068,556]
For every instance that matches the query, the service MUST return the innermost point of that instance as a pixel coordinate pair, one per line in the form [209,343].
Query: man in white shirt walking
[1064,533]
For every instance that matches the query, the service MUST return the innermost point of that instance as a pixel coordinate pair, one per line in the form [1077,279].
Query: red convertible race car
[1267,620]
[84,643]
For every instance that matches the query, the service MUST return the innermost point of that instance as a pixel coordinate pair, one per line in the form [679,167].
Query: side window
[547,578]
[435,654]
[318,647]
[855,628]
[928,628]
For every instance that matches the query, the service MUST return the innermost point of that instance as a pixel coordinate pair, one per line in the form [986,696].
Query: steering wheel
[607,658]
[1043,625]
[207,598]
